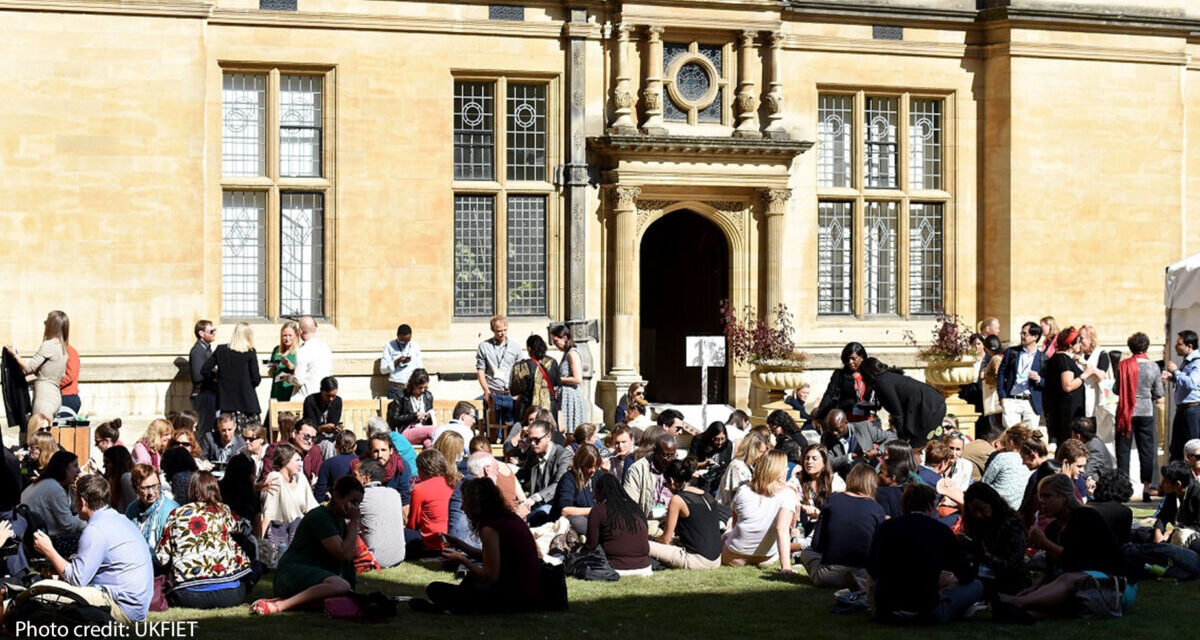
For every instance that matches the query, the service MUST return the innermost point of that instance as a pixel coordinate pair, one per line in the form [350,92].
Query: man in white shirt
[314,360]
[494,361]
[400,358]
[462,422]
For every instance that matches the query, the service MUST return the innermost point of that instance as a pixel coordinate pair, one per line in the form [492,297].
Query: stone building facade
[621,166]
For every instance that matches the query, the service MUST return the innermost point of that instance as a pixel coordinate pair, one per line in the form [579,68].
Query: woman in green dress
[319,564]
[283,361]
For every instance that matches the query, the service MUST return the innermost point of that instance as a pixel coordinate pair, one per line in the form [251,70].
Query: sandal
[265,607]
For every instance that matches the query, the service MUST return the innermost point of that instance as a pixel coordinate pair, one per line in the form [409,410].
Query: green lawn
[727,603]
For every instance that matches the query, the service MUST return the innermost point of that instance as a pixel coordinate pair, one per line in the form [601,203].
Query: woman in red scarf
[1139,389]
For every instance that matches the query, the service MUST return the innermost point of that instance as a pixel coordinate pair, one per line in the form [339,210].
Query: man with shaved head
[314,360]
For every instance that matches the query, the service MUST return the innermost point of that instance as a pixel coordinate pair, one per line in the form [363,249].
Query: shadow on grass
[727,603]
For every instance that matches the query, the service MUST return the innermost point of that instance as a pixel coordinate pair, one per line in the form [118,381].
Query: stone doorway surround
[739,184]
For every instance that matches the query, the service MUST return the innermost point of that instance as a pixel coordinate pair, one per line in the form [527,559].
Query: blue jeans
[955,601]
[395,393]
[1186,426]
[539,515]
[503,404]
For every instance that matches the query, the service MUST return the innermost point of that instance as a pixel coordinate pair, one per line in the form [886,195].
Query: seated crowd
[926,529]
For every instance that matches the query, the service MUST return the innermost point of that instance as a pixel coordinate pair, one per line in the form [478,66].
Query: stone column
[774,206]
[747,98]
[623,96]
[774,95]
[652,92]
[575,174]
[625,211]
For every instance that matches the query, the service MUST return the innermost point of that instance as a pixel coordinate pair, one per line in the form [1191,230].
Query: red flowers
[197,525]
[218,568]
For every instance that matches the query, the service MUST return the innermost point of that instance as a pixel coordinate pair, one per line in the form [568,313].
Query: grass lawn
[727,603]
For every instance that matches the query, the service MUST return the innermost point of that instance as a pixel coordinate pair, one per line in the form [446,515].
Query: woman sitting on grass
[815,481]
[319,564]
[1080,543]
[764,511]
[692,514]
[287,496]
[841,542]
[741,468]
[429,513]
[504,575]
[206,566]
[618,525]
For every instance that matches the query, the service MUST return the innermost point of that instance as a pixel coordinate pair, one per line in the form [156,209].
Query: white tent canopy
[1182,302]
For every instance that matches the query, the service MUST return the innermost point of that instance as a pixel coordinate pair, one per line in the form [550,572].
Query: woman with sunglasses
[636,390]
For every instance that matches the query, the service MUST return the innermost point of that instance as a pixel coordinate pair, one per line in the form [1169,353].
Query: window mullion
[858,181]
[902,265]
[859,270]
[274,251]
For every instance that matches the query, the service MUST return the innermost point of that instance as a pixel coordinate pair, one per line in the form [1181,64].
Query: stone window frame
[275,186]
[858,195]
[722,86]
[500,188]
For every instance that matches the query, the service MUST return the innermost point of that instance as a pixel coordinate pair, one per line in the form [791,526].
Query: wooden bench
[444,410]
[355,414]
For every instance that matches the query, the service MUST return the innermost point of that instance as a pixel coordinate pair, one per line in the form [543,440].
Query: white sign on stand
[705,352]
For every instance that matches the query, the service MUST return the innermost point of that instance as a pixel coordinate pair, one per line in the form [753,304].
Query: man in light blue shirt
[1186,377]
[400,358]
[112,568]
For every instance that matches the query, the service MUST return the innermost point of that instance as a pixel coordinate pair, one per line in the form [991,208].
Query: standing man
[493,366]
[400,358]
[204,388]
[314,360]
[1019,380]
[1186,377]
[989,327]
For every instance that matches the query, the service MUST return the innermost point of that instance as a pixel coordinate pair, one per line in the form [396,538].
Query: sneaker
[841,593]
[975,608]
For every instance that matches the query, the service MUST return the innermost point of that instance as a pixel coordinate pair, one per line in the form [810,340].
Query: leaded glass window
[501,263]
[300,126]
[243,254]
[474,279]
[526,255]
[243,124]
[526,131]
[879,257]
[474,126]
[301,254]
[695,82]
[925,144]
[881,149]
[835,140]
[925,270]
[835,251]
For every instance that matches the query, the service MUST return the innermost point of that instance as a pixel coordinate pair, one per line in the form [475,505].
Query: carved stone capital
[777,39]
[747,103]
[625,197]
[774,102]
[747,38]
[623,31]
[654,33]
[652,99]
[775,200]
[624,98]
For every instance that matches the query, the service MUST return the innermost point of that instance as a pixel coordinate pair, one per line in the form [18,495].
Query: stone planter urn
[773,380]
[947,376]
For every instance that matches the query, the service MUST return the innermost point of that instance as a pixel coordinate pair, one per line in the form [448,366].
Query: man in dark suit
[847,443]
[544,465]
[1019,380]
[204,388]
[224,442]
[1084,430]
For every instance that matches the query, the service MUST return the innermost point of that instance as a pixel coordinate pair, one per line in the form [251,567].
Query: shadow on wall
[179,391]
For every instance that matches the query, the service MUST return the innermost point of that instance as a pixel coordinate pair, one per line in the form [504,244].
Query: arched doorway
[684,276]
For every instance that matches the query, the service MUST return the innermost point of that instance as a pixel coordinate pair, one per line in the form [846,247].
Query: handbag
[158,602]
[1099,596]
[590,564]
[361,607]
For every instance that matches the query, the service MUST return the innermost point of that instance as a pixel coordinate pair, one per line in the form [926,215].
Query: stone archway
[684,274]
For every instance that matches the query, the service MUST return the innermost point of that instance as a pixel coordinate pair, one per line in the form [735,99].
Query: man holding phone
[400,358]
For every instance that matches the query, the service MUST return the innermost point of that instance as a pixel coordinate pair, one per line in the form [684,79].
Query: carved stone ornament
[774,102]
[729,208]
[625,198]
[652,98]
[647,209]
[747,103]
[777,39]
[776,200]
[624,98]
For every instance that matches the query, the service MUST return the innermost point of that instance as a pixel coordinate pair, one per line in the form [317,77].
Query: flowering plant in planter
[751,339]
[951,340]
